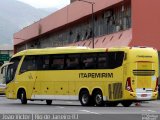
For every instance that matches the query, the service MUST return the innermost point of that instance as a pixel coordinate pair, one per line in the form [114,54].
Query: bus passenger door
[10,80]
[26,77]
[26,80]
[36,88]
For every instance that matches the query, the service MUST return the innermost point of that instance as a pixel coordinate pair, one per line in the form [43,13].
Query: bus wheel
[112,104]
[84,98]
[23,97]
[98,98]
[126,103]
[49,102]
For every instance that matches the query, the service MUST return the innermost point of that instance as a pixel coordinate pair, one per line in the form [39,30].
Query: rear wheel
[126,103]
[48,102]
[23,97]
[84,98]
[98,98]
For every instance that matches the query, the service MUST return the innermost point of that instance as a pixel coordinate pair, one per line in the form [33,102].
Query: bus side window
[102,61]
[115,59]
[89,61]
[57,62]
[43,62]
[29,64]
[72,62]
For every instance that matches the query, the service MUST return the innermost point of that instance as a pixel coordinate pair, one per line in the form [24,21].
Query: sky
[47,3]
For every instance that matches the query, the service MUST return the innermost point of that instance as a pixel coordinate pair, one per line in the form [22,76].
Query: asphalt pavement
[73,110]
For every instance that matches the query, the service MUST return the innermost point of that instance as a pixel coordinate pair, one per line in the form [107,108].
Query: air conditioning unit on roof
[108,14]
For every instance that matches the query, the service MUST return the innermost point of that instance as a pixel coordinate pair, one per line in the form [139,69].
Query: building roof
[122,38]
[68,14]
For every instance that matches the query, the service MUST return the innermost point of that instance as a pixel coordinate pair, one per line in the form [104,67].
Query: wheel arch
[19,91]
[96,89]
[83,89]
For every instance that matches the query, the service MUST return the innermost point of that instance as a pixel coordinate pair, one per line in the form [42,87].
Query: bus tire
[48,102]
[126,103]
[84,98]
[23,97]
[98,98]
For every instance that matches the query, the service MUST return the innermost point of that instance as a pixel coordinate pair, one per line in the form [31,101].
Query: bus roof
[71,49]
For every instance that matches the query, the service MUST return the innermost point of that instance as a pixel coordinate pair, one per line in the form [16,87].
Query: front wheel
[23,97]
[126,103]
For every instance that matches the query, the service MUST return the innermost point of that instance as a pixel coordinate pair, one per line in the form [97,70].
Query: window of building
[109,21]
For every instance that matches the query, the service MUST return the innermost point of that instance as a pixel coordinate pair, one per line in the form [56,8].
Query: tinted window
[102,61]
[10,74]
[29,64]
[11,71]
[107,60]
[72,61]
[43,62]
[115,59]
[88,61]
[15,61]
[57,62]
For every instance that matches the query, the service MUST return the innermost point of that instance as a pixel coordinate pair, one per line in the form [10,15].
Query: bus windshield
[11,71]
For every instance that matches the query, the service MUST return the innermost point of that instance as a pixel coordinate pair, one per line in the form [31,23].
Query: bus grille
[143,72]
[115,91]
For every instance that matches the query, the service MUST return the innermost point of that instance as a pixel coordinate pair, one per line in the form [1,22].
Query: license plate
[144,95]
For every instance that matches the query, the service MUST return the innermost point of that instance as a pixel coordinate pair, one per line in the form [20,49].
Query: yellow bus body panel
[69,82]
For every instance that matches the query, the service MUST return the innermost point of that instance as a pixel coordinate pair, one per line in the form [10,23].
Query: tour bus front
[3,70]
[142,83]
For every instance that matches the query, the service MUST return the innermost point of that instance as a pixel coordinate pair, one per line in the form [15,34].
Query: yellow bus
[3,71]
[92,76]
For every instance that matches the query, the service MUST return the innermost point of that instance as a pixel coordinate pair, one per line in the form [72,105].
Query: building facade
[116,23]
[72,1]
